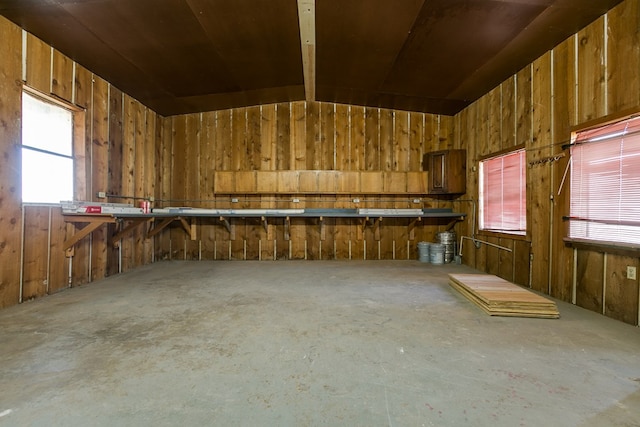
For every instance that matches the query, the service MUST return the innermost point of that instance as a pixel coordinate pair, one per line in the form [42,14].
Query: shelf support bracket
[412,228]
[323,232]
[231,228]
[287,228]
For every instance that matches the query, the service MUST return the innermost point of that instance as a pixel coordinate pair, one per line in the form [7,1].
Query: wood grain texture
[591,72]
[539,177]
[59,264]
[623,60]
[38,64]
[100,170]
[621,294]
[116,136]
[523,106]
[36,252]
[83,175]
[498,297]
[508,123]
[62,76]
[10,178]
[589,275]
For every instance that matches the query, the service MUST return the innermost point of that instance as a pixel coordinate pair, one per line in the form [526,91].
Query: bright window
[503,193]
[605,183]
[47,151]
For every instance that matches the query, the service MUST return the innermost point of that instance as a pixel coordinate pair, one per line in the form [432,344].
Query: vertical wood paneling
[83,174]
[128,172]
[386,140]
[356,139]
[508,124]
[342,135]
[328,135]
[494,120]
[116,137]
[62,76]
[523,106]
[621,300]
[416,141]
[224,149]
[493,256]
[445,132]
[299,136]
[207,158]
[239,148]
[99,170]
[35,252]
[206,166]
[466,121]
[624,56]
[38,64]
[268,137]
[254,147]
[313,153]
[521,251]
[563,118]
[589,276]
[58,266]
[10,179]
[372,139]
[591,72]
[539,177]
[401,141]
[283,148]
[482,128]
[82,135]
[149,156]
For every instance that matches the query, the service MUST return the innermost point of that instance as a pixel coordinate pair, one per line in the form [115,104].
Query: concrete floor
[370,343]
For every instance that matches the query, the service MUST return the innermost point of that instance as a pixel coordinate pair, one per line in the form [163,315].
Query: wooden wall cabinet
[447,171]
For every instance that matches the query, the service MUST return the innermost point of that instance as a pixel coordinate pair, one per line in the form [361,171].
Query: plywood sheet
[498,297]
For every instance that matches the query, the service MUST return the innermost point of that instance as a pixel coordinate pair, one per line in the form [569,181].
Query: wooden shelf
[162,218]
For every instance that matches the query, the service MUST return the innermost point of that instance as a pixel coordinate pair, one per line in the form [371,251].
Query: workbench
[159,219]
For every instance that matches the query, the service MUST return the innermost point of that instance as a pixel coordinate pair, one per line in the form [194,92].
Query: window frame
[514,235]
[78,144]
[621,248]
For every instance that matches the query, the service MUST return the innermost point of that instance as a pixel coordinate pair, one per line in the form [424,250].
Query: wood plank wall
[323,155]
[117,156]
[590,75]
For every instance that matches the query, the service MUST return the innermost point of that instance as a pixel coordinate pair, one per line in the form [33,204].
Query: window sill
[608,247]
[502,235]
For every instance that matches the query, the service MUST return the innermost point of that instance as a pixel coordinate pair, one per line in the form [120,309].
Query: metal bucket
[448,239]
[437,253]
[423,251]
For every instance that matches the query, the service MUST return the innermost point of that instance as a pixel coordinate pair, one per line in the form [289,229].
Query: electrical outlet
[356,200]
[296,200]
[234,200]
[631,272]
[151,198]
[102,195]
[416,201]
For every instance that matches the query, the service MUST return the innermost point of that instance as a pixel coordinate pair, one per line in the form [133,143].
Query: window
[47,151]
[503,193]
[605,183]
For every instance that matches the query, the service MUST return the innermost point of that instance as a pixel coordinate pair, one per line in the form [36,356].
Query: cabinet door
[447,171]
[437,172]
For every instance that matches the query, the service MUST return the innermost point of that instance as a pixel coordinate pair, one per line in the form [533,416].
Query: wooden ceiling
[182,56]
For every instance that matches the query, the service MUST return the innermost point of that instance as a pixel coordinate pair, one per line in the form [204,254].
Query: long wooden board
[498,297]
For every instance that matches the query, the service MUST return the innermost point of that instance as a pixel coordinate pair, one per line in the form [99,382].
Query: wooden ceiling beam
[307,19]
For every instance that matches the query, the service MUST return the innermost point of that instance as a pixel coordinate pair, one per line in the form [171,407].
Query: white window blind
[605,184]
[503,193]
